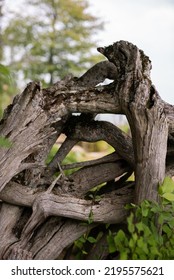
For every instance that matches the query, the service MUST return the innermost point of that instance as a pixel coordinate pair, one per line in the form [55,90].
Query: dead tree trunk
[39,210]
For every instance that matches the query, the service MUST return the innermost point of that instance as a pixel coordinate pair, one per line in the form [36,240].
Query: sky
[149,24]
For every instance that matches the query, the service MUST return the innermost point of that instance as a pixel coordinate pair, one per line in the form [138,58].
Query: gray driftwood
[39,210]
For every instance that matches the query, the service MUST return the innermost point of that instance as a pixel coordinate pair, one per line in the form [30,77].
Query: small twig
[49,190]
[61,170]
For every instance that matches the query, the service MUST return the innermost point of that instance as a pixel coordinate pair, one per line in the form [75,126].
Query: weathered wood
[9,215]
[146,115]
[33,123]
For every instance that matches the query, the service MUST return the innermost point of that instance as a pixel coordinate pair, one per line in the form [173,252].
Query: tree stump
[39,209]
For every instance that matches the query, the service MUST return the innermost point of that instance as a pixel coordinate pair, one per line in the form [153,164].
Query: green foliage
[82,246]
[52,153]
[5,72]
[150,228]
[90,217]
[5,82]
[4,142]
[73,156]
[166,190]
[7,87]
[102,146]
[52,39]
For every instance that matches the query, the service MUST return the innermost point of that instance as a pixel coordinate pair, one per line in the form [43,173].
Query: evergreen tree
[52,39]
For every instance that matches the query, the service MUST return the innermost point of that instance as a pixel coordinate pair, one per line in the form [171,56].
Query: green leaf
[155,252]
[145,207]
[167,186]
[135,237]
[155,208]
[111,244]
[143,245]
[140,251]
[84,252]
[82,239]
[130,206]
[78,244]
[90,217]
[124,255]
[132,243]
[91,239]
[167,230]
[135,256]
[107,226]
[91,196]
[140,226]
[120,238]
[97,198]
[131,226]
[168,196]
[171,223]
[147,231]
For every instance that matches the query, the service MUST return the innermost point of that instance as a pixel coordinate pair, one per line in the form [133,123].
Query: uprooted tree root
[60,205]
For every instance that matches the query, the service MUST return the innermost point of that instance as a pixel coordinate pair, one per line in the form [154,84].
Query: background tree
[54,38]
[5,74]
[1,15]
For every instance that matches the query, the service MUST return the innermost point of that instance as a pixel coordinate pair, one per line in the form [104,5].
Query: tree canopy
[53,38]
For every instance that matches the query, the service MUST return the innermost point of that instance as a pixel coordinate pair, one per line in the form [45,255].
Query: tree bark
[39,209]
[146,115]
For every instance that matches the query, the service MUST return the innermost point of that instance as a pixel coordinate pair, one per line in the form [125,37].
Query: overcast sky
[149,24]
